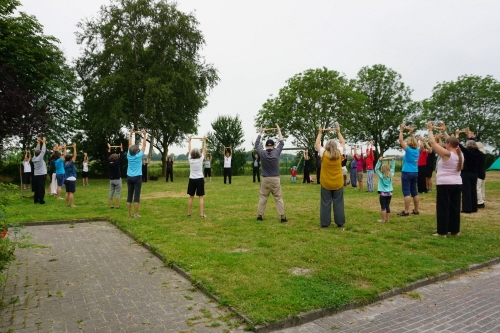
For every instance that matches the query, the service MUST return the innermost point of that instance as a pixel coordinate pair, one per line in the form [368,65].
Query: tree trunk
[164,155]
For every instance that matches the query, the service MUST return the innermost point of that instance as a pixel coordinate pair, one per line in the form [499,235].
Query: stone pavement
[90,277]
[466,304]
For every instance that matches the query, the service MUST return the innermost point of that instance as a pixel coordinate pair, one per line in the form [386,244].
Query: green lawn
[269,270]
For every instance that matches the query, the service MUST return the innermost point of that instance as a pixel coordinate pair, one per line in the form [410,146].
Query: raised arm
[437,147]
[280,137]
[402,142]
[109,148]
[74,152]
[189,144]
[341,138]
[144,140]
[130,137]
[204,147]
[318,139]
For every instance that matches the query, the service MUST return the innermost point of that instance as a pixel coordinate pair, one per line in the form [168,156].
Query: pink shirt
[447,173]
[361,160]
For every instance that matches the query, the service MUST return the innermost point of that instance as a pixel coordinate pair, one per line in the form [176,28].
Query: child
[369,159]
[85,171]
[26,169]
[293,171]
[385,174]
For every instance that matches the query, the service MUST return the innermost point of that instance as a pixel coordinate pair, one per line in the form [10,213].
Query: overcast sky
[256,46]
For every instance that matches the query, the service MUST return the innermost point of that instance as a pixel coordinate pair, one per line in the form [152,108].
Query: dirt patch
[239,250]
[300,271]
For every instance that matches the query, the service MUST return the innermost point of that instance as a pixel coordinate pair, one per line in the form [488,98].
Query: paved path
[91,277]
[465,304]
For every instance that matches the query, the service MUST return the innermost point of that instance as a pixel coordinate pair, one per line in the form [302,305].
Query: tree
[388,103]
[316,97]
[37,87]
[471,101]
[142,66]
[228,131]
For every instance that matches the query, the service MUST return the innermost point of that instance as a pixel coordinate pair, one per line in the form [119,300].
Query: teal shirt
[134,164]
[385,184]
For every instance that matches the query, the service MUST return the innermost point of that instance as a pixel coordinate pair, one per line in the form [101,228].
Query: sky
[256,46]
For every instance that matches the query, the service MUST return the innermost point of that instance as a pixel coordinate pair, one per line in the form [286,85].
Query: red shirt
[422,158]
[294,172]
[369,159]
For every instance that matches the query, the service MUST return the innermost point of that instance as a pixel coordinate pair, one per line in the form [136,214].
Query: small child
[385,174]
[26,169]
[85,170]
[293,171]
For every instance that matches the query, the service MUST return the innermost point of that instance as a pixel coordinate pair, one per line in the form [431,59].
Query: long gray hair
[331,148]
[195,153]
[133,149]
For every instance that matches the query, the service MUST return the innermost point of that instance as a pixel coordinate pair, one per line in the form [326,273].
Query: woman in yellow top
[332,181]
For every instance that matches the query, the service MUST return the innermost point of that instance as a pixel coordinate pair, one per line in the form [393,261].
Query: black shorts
[208,172]
[26,177]
[196,187]
[428,172]
[85,174]
[70,186]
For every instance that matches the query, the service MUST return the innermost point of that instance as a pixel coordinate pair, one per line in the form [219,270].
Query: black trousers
[256,172]
[422,184]
[39,188]
[469,191]
[227,173]
[318,174]
[307,178]
[448,208]
[170,172]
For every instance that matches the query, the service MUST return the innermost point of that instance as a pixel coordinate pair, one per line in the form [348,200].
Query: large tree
[470,101]
[141,67]
[37,87]
[316,97]
[227,132]
[388,103]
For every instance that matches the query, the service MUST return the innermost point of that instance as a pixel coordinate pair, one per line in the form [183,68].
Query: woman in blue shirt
[134,172]
[409,174]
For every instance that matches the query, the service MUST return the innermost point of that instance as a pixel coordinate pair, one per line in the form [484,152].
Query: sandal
[403,213]
[444,236]
[203,216]
[416,212]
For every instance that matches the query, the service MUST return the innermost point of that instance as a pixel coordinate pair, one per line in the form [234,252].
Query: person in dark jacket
[256,166]
[469,173]
[115,177]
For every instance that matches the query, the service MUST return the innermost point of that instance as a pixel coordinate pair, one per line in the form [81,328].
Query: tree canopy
[471,101]
[37,87]
[316,97]
[141,67]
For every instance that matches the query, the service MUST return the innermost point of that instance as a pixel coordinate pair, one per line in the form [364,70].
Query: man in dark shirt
[115,177]
[270,159]
[256,166]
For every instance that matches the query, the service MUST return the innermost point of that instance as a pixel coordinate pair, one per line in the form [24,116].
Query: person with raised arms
[40,171]
[409,174]
[196,184]
[70,177]
[115,177]
[134,173]
[270,182]
[332,180]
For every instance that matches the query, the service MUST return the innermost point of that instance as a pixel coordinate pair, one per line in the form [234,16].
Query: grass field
[269,270]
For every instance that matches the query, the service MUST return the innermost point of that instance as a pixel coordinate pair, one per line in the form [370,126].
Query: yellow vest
[331,172]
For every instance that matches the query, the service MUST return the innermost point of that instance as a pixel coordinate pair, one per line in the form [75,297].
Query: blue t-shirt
[70,170]
[134,164]
[411,160]
[59,166]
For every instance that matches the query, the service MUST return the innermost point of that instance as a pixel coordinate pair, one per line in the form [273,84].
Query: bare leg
[128,208]
[190,205]
[117,203]
[416,201]
[59,189]
[67,199]
[407,203]
[201,205]
[136,208]
[111,203]
[387,215]
[72,199]
[384,215]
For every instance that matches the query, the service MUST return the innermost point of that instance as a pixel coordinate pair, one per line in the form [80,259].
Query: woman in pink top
[448,185]
[359,167]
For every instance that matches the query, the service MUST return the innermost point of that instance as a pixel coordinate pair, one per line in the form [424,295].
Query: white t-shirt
[195,167]
[227,162]
[26,167]
[207,164]
[85,166]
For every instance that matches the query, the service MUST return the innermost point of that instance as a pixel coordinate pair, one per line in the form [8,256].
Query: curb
[301,318]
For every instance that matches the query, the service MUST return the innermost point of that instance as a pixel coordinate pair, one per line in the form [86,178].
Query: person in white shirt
[227,165]
[26,169]
[208,168]
[85,171]
[196,185]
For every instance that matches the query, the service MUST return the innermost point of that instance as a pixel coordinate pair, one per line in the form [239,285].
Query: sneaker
[137,216]
[283,220]
[480,205]
[415,212]
[403,213]
[259,218]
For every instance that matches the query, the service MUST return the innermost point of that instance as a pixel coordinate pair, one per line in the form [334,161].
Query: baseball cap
[269,143]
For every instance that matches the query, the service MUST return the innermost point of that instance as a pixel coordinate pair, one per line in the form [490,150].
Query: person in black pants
[318,166]
[40,171]
[144,170]
[170,168]
[227,165]
[307,164]
[469,173]
[256,166]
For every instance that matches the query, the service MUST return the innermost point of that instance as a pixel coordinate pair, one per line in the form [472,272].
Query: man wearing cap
[270,160]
